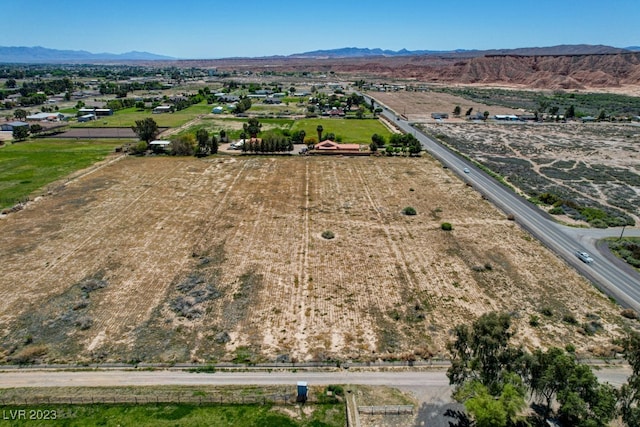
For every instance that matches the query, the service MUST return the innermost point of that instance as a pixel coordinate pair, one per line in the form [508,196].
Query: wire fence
[220,399]
[386,410]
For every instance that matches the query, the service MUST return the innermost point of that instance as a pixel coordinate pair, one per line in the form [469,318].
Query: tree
[570,112]
[584,402]
[140,105]
[20,114]
[482,352]
[630,391]
[485,115]
[146,129]
[20,133]
[494,411]
[35,128]
[10,83]
[556,375]
[213,145]
[602,116]
[378,140]
[319,129]
[223,135]
[183,145]
[468,113]
[202,136]
[456,111]
[252,127]
[548,373]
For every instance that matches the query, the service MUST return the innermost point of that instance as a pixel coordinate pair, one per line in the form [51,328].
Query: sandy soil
[177,259]
[418,106]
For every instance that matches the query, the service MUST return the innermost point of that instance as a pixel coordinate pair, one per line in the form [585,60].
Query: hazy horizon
[200,30]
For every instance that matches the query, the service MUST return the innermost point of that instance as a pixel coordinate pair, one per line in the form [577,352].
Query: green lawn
[128,117]
[28,166]
[174,415]
[350,130]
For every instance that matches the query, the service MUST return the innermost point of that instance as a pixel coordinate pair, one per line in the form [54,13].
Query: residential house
[10,126]
[330,147]
[160,109]
[49,117]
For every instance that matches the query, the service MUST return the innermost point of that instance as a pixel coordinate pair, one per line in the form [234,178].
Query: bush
[629,314]
[337,390]
[570,319]
[327,234]
[409,211]
[534,320]
[556,211]
[446,226]
[546,311]
[139,148]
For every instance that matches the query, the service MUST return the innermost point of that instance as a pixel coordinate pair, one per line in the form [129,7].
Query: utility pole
[622,232]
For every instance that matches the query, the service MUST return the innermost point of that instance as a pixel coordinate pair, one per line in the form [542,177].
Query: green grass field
[28,166]
[184,415]
[128,117]
[349,130]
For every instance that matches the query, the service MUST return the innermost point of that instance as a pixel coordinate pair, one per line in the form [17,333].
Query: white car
[466,170]
[584,257]
[237,145]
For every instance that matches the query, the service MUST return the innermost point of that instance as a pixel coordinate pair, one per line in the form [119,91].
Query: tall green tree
[490,410]
[319,129]
[20,133]
[456,111]
[146,129]
[202,136]
[252,127]
[482,352]
[213,145]
[630,391]
[20,114]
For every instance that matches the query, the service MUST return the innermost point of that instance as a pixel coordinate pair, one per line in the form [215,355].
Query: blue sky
[218,29]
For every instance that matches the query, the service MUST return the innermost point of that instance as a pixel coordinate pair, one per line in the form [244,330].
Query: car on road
[466,170]
[584,257]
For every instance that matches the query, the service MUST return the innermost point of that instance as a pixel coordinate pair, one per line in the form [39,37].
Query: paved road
[611,275]
[435,379]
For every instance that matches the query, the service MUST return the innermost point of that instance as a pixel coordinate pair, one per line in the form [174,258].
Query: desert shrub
[570,348]
[534,320]
[29,354]
[337,390]
[546,311]
[570,319]
[409,211]
[556,211]
[629,313]
[446,226]
[327,234]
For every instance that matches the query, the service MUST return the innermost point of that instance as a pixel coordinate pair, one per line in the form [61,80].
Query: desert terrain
[222,259]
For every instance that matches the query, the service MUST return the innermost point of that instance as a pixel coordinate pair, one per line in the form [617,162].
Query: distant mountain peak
[39,54]
[354,52]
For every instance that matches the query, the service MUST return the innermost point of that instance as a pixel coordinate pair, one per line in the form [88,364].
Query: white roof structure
[160,142]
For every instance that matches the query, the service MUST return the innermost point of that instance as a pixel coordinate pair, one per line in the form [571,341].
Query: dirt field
[179,259]
[418,106]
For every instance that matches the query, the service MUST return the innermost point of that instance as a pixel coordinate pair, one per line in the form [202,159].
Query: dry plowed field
[179,259]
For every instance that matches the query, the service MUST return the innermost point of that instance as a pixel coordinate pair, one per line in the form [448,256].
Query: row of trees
[398,143]
[492,378]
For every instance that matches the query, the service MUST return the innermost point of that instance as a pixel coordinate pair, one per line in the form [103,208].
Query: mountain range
[354,52]
[38,54]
